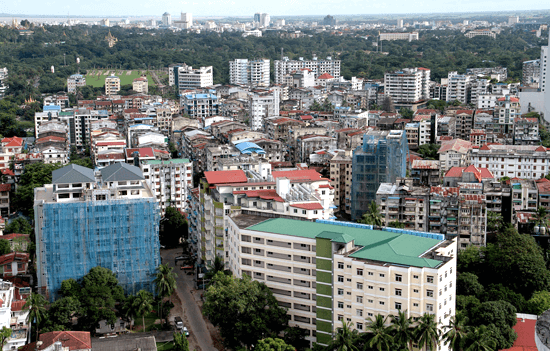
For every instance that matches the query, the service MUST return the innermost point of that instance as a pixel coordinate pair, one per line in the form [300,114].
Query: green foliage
[396,224]
[426,332]
[470,259]
[165,282]
[402,331]
[372,216]
[345,339]
[495,222]
[5,334]
[456,332]
[180,342]
[378,335]
[19,225]
[36,305]
[174,227]
[143,304]
[406,113]
[296,336]
[499,317]
[496,292]
[61,312]
[468,284]
[5,247]
[245,311]
[429,151]
[273,344]
[539,302]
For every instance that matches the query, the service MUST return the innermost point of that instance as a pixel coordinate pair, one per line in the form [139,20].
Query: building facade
[185,77]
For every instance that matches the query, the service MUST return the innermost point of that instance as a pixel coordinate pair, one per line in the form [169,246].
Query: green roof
[377,245]
[174,160]
[66,113]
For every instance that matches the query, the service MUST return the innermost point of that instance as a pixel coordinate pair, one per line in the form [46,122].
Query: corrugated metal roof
[121,171]
[72,174]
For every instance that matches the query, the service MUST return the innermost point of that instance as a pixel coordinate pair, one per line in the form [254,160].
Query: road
[194,316]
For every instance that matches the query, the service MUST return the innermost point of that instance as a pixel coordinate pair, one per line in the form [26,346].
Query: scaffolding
[121,235]
[381,159]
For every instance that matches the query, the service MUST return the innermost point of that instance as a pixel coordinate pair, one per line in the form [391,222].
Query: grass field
[96,78]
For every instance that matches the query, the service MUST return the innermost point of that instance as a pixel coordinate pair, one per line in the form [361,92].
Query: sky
[92,8]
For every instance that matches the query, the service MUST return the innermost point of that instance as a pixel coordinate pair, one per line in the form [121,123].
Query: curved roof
[249,148]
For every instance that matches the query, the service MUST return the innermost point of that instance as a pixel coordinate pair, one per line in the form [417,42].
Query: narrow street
[197,326]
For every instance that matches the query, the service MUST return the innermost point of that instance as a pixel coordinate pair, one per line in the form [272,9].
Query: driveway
[185,284]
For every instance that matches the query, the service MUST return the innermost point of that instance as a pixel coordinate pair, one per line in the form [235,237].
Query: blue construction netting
[121,235]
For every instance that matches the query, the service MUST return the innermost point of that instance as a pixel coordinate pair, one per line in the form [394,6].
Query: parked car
[185,331]
[179,323]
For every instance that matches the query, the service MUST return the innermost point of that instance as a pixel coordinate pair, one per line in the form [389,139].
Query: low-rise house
[14,263]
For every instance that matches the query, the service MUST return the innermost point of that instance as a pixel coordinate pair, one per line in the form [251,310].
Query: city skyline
[227,8]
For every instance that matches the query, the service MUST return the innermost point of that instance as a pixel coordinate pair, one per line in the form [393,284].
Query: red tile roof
[458,145]
[468,112]
[143,152]
[325,76]
[309,206]
[5,187]
[74,340]
[50,138]
[15,235]
[7,258]
[480,173]
[225,177]
[269,194]
[512,99]
[13,141]
[18,305]
[305,174]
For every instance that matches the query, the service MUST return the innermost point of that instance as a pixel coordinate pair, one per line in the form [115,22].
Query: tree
[174,227]
[540,217]
[406,112]
[402,330]
[539,303]
[273,344]
[215,267]
[19,225]
[468,284]
[373,216]
[396,224]
[429,151]
[470,259]
[144,304]
[296,337]
[456,332]
[165,282]
[387,104]
[245,311]
[5,247]
[345,338]
[499,317]
[5,334]
[480,340]
[129,309]
[62,311]
[494,221]
[36,305]
[426,332]
[377,335]
[180,342]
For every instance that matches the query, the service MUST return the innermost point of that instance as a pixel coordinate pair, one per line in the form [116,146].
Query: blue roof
[249,148]
[201,96]
[52,108]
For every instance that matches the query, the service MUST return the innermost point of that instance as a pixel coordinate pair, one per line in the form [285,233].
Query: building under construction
[381,159]
[107,218]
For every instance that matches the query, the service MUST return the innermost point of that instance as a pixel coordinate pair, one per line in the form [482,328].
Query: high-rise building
[262,105]
[257,17]
[185,77]
[112,85]
[400,23]
[408,85]
[329,21]
[286,66]
[531,73]
[265,19]
[109,218]
[3,81]
[545,78]
[381,159]
[513,20]
[185,22]
[245,72]
[74,81]
[166,19]
[326,273]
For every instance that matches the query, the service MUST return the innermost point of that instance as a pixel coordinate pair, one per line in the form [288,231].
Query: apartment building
[506,111]
[107,218]
[531,73]
[3,82]
[399,36]
[253,72]
[112,85]
[140,85]
[199,106]
[13,316]
[327,272]
[408,85]
[425,172]
[498,198]
[458,87]
[169,181]
[184,77]
[5,200]
[464,121]
[301,194]
[514,161]
[74,81]
[402,202]
[526,131]
[453,153]
[481,32]
[340,179]
[262,104]
[286,66]
[524,195]
[308,144]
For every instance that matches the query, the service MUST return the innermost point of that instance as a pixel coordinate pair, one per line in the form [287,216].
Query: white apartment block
[262,106]
[458,87]
[74,81]
[3,81]
[12,315]
[318,67]
[169,181]
[399,36]
[481,32]
[112,85]
[408,85]
[545,78]
[140,85]
[185,77]
[245,72]
[521,161]
[328,272]
[185,22]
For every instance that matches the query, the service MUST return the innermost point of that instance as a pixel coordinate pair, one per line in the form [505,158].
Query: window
[382,275]
[430,279]
[340,317]
[381,302]
[370,273]
[430,293]
[359,313]
[341,278]
[398,292]
[370,301]
[340,304]
[340,265]
[398,305]
[429,307]
[415,304]
[439,292]
[382,289]
[359,271]
[348,279]
[340,291]
[398,278]
[348,266]
[359,326]
[415,291]
[359,299]
[370,314]
[415,276]
[360,286]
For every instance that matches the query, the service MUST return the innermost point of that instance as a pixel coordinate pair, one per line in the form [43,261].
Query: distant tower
[257,17]
[545,78]
[187,18]
[265,20]
[400,23]
[166,19]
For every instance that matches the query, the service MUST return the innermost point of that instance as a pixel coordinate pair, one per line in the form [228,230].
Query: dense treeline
[30,58]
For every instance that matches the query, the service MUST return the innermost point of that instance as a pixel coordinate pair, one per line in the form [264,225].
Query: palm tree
[456,333]
[402,329]
[36,304]
[143,304]
[426,333]
[377,334]
[480,340]
[345,338]
[217,266]
[129,309]
[373,216]
[165,283]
